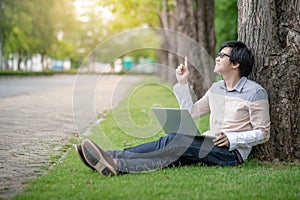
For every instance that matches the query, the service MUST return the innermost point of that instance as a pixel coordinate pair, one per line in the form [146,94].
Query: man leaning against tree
[239,119]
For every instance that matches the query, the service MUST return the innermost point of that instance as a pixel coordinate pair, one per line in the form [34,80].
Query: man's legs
[136,151]
[204,151]
[172,149]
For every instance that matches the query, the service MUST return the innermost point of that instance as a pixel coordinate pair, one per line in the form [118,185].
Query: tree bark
[163,55]
[196,20]
[272,30]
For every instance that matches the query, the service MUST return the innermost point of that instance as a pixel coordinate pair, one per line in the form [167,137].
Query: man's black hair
[241,54]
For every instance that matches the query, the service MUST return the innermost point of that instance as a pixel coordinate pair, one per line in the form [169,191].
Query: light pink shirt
[241,113]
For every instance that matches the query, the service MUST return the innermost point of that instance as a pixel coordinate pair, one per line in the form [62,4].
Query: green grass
[72,180]
[38,73]
[23,73]
[72,71]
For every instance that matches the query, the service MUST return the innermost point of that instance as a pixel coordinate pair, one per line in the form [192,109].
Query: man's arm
[183,96]
[182,93]
[181,89]
[201,107]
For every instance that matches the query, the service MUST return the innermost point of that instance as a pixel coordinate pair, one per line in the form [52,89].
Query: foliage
[132,13]
[125,17]
[66,28]
[15,27]
[28,29]
[72,180]
[226,16]
[54,30]
[133,43]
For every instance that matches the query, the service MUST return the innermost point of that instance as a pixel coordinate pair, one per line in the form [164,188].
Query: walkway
[36,119]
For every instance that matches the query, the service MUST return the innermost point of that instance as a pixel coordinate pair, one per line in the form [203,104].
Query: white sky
[84,6]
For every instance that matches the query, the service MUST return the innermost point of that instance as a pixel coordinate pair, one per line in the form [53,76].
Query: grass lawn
[132,123]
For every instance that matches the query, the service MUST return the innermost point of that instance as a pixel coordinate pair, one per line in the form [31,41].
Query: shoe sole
[102,165]
[81,156]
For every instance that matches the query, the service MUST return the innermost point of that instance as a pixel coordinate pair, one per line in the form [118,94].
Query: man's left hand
[221,140]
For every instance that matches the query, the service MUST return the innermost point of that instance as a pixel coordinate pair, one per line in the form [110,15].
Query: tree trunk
[163,55]
[207,39]
[1,38]
[272,30]
[42,62]
[196,20]
[162,71]
[19,61]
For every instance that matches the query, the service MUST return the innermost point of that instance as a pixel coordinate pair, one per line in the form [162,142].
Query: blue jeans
[173,150]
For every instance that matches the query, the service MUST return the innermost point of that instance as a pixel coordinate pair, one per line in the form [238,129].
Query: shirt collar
[238,87]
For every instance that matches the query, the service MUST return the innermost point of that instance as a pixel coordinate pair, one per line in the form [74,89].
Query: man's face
[223,64]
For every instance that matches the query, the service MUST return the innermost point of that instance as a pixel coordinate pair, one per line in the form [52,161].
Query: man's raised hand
[182,72]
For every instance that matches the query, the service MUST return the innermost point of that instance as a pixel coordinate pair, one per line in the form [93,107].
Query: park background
[63,35]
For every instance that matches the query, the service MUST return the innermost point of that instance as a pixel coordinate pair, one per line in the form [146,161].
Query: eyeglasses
[221,54]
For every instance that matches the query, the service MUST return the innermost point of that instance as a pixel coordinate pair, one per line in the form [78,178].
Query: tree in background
[199,20]
[29,29]
[132,14]
[193,18]
[52,30]
[196,20]
[66,30]
[15,30]
[226,21]
[272,30]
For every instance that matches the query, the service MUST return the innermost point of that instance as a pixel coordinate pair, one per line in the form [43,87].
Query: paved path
[38,115]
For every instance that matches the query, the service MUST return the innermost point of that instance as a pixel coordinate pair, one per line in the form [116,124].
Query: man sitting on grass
[239,118]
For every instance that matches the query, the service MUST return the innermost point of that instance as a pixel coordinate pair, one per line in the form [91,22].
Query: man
[239,119]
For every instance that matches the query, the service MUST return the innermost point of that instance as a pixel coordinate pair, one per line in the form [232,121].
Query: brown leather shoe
[98,158]
[78,149]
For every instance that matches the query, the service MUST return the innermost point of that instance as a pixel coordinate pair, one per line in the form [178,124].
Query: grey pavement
[38,115]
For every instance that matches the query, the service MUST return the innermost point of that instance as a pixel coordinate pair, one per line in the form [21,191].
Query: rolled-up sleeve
[183,95]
